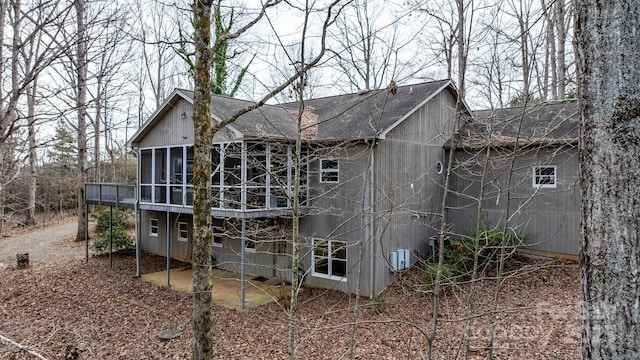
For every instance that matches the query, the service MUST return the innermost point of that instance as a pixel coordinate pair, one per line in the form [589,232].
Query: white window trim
[534,177]
[180,231]
[248,249]
[313,260]
[219,231]
[151,227]
[323,171]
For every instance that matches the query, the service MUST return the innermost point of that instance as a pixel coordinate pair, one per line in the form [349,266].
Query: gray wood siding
[264,261]
[408,187]
[550,217]
[175,127]
[337,214]
[407,192]
[180,250]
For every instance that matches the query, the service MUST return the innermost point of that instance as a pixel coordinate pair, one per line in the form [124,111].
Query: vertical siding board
[408,156]
[337,215]
[550,217]
[174,128]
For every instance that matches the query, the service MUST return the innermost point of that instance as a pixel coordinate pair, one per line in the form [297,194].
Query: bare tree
[160,68]
[114,52]
[609,103]
[33,36]
[80,62]
[367,48]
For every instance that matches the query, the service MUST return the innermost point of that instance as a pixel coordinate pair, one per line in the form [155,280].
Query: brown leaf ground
[63,305]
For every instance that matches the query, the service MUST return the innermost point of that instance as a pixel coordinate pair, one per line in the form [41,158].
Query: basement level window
[217,236]
[329,171]
[330,259]
[183,231]
[250,244]
[544,176]
[153,227]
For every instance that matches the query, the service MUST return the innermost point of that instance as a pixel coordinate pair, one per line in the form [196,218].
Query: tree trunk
[81,105]
[608,43]
[30,214]
[462,48]
[550,56]
[202,235]
[97,130]
[562,36]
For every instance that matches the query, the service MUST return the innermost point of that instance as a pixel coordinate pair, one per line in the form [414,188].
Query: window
[281,248]
[153,227]
[329,171]
[544,176]
[217,236]
[250,244]
[183,231]
[330,259]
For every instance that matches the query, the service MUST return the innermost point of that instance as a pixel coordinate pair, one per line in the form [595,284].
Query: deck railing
[111,194]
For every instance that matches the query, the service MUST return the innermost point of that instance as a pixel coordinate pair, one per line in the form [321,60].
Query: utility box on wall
[393,260]
[400,259]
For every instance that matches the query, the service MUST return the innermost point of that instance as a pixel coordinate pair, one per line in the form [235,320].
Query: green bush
[102,219]
[487,241]
[121,240]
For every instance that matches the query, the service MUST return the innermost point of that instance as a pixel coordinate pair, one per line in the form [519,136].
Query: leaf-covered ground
[63,307]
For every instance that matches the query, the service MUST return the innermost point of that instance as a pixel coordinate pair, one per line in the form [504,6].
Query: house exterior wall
[337,215]
[549,217]
[408,190]
[264,260]
[157,244]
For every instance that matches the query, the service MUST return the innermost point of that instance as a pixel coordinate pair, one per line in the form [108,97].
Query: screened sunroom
[246,175]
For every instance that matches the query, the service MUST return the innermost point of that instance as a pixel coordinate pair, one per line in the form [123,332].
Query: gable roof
[548,123]
[335,118]
[371,114]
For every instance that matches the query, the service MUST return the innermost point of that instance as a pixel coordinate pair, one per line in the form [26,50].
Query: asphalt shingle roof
[341,117]
[546,123]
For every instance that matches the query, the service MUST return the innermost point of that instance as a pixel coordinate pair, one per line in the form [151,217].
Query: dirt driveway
[51,242]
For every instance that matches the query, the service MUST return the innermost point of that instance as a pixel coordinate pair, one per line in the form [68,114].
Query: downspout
[136,209]
[369,226]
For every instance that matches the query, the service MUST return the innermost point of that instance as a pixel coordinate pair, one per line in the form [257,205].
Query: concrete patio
[226,287]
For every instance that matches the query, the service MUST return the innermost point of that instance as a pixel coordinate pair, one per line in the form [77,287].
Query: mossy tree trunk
[203,140]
